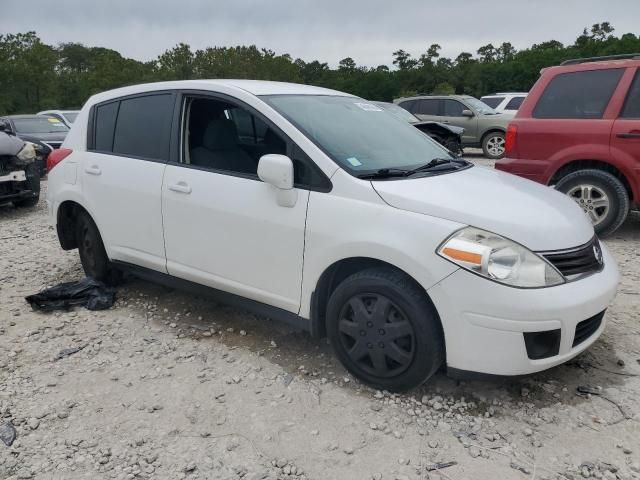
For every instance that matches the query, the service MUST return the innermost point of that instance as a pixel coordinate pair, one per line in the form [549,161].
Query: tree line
[35,76]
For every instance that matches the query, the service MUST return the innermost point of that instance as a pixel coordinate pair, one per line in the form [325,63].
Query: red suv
[579,130]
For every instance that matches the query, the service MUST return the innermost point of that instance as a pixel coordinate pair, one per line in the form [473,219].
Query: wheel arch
[66,221]
[333,275]
[576,165]
[490,131]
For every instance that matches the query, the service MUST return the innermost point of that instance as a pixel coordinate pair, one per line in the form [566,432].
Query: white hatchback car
[321,209]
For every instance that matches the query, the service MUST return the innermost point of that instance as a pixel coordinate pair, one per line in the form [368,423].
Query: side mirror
[277,170]
[467,113]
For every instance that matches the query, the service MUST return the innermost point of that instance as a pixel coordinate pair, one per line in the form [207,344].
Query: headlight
[27,153]
[498,259]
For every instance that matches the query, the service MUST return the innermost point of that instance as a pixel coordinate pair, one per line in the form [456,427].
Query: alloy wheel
[377,335]
[495,146]
[593,201]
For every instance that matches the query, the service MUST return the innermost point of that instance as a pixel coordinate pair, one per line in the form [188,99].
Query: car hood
[10,145]
[531,214]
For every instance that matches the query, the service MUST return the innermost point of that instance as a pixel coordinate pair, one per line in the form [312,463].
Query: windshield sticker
[53,120]
[368,107]
[354,161]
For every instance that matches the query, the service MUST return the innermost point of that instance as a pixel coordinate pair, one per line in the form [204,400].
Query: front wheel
[601,195]
[493,146]
[385,330]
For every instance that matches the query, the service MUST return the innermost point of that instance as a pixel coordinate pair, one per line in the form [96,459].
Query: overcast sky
[326,30]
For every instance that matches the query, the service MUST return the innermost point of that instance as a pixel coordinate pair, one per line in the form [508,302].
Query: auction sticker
[368,107]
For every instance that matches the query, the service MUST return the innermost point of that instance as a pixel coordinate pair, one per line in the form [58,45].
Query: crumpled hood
[531,214]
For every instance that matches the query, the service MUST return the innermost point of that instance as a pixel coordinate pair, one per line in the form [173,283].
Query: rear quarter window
[105,125]
[578,95]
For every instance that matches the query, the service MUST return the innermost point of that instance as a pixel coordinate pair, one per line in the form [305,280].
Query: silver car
[483,126]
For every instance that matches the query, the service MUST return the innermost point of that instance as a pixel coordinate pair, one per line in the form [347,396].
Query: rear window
[41,124]
[514,103]
[580,95]
[493,102]
[143,127]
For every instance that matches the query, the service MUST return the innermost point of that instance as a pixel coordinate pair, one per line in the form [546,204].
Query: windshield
[39,125]
[358,135]
[70,116]
[398,112]
[480,106]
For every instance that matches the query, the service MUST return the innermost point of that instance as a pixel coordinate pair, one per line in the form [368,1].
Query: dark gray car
[483,126]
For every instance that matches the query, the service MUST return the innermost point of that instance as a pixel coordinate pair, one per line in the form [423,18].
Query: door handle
[93,170]
[629,135]
[180,187]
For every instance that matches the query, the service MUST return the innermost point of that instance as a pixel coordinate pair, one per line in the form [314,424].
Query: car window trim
[636,78]
[178,151]
[93,118]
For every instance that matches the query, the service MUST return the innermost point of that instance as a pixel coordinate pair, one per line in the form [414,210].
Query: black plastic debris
[67,352]
[88,292]
[7,434]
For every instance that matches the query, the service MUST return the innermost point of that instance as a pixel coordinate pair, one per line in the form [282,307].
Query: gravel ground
[168,385]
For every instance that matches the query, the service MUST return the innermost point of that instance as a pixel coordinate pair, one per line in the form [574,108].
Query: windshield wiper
[435,164]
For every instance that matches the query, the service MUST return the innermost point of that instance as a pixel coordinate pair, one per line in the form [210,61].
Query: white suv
[507,102]
[321,209]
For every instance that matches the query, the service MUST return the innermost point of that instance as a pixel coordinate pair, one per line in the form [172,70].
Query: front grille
[587,327]
[576,261]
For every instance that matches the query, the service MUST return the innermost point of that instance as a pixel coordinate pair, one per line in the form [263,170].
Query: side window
[408,105]
[143,126]
[632,103]
[453,108]
[493,102]
[578,94]
[224,137]
[105,124]
[427,107]
[514,103]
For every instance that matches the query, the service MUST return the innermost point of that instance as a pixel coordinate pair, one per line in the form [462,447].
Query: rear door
[122,175]
[452,114]
[625,135]
[427,109]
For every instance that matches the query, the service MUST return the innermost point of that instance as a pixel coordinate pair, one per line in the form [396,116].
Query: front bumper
[484,322]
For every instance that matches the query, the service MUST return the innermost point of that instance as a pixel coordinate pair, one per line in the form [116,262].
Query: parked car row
[46,131]
[483,126]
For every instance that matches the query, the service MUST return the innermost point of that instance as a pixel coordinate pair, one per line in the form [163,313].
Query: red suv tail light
[56,156]
[510,141]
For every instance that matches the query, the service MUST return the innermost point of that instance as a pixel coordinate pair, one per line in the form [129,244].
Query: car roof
[254,87]
[505,93]
[46,112]
[437,97]
[593,65]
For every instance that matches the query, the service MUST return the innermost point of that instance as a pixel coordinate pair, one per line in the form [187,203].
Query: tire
[33,181]
[93,255]
[383,355]
[601,195]
[493,145]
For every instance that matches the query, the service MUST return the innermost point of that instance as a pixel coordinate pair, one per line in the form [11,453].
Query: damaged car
[19,173]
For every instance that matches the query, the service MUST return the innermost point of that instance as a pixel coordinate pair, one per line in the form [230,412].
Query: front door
[625,135]
[452,115]
[223,226]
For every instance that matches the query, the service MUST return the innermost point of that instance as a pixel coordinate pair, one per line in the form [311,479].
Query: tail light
[510,141]
[56,156]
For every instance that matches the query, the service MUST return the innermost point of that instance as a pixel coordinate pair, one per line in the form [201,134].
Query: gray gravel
[173,386]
